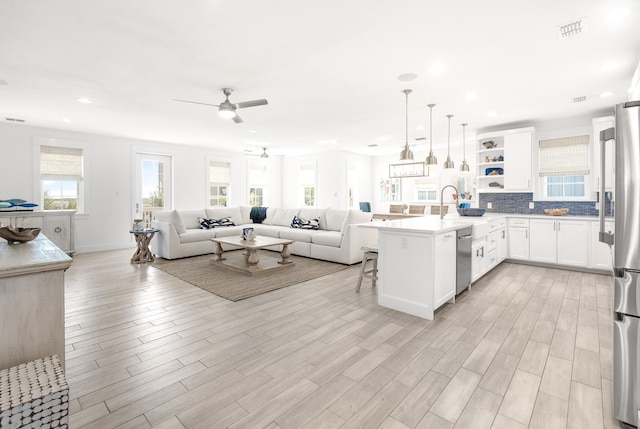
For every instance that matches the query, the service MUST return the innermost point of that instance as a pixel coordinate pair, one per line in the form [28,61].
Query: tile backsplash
[519,203]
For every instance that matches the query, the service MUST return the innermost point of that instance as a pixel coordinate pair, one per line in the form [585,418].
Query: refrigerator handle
[605,136]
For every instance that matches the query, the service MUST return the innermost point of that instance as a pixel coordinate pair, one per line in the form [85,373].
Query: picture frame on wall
[390,189]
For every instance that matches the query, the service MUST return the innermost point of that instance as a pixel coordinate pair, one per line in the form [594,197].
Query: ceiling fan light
[264,153]
[226,113]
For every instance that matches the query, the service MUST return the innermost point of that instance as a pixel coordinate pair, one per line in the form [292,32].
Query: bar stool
[370,254]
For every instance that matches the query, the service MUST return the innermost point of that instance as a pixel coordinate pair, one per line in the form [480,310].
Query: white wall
[109,177]
[331,178]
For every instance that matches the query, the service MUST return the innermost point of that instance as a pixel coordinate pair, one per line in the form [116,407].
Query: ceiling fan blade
[237,119]
[252,103]
[196,102]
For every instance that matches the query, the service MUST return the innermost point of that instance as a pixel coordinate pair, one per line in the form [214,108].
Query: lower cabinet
[563,242]
[444,269]
[601,254]
[519,239]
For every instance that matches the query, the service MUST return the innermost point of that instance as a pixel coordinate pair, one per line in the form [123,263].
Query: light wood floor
[526,347]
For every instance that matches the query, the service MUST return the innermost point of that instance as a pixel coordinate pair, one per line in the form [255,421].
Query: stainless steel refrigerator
[626,258]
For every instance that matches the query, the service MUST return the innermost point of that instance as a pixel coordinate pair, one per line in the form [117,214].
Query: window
[425,190]
[564,165]
[257,180]
[219,181]
[61,176]
[307,181]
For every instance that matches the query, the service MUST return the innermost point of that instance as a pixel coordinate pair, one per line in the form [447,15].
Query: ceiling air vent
[14,120]
[572,29]
[580,99]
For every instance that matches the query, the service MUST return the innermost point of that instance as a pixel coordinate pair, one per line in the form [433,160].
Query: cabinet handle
[58,229]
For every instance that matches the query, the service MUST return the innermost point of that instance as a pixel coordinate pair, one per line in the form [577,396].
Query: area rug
[235,286]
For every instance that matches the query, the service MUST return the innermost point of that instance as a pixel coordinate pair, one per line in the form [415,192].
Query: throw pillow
[298,222]
[212,223]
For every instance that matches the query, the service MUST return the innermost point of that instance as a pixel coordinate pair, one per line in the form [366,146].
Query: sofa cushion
[283,217]
[190,218]
[314,213]
[230,231]
[221,212]
[173,217]
[215,223]
[301,223]
[335,219]
[327,238]
[271,216]
[268,230]
[300,235]
[245,212]
[196,235]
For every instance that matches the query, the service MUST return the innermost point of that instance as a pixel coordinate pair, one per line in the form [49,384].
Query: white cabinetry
[563,242]
[444,275]
[58,226]
[489,247]
[519,239]
[511,156]
[601,254]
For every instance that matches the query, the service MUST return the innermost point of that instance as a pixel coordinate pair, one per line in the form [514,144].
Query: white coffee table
[250,262]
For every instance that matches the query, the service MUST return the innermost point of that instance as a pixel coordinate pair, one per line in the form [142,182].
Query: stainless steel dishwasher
[463,259]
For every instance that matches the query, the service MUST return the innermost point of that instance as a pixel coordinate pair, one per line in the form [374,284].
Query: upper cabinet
[504,161]
[600,124]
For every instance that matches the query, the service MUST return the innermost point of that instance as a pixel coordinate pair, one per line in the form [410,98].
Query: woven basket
[556,212]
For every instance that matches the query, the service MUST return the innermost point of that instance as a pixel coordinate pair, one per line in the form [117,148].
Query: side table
[143,238]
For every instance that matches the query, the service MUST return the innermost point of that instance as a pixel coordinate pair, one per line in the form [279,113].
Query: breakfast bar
[417,263]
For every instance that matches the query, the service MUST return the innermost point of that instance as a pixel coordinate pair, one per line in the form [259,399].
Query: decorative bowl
[556,212]
[489,144]
[493,171]
[18,235]
[471,212]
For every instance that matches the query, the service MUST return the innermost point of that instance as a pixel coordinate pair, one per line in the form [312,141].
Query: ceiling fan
[227,109]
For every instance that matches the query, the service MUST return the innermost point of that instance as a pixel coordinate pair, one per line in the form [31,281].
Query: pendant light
[406,154]
[448,164]
[431,159]
[464,166]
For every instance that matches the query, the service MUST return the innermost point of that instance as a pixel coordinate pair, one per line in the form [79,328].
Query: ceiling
[329,69]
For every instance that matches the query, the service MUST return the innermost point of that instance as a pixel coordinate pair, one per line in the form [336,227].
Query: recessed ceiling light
[492,113]
[328,142]
[406,77]
[606,94]
[617,15]
[470,96]
[67,120]
[437,68]
[252,131]
[609,65]
[84,100]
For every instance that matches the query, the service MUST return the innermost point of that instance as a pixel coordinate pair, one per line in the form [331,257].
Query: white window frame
[38,189]
[583,170]
[425,185]
[257,180]
[307,181]
[219,184]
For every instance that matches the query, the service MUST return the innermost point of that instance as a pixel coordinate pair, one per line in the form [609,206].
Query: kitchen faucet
[441,198]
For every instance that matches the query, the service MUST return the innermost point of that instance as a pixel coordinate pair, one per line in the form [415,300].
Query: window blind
[219,172]
[60,163]
[565,156]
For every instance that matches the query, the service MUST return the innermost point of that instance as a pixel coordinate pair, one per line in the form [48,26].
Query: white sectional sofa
[338,239]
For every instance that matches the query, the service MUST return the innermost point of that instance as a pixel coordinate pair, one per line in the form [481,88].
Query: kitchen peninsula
[417,263]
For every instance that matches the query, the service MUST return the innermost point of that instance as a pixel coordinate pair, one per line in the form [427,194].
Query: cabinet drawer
[519,222]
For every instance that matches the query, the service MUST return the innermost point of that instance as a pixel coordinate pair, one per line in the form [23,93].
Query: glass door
[152,186]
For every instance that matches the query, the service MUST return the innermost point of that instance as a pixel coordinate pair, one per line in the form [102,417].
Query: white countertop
[34,256]
[423,224]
